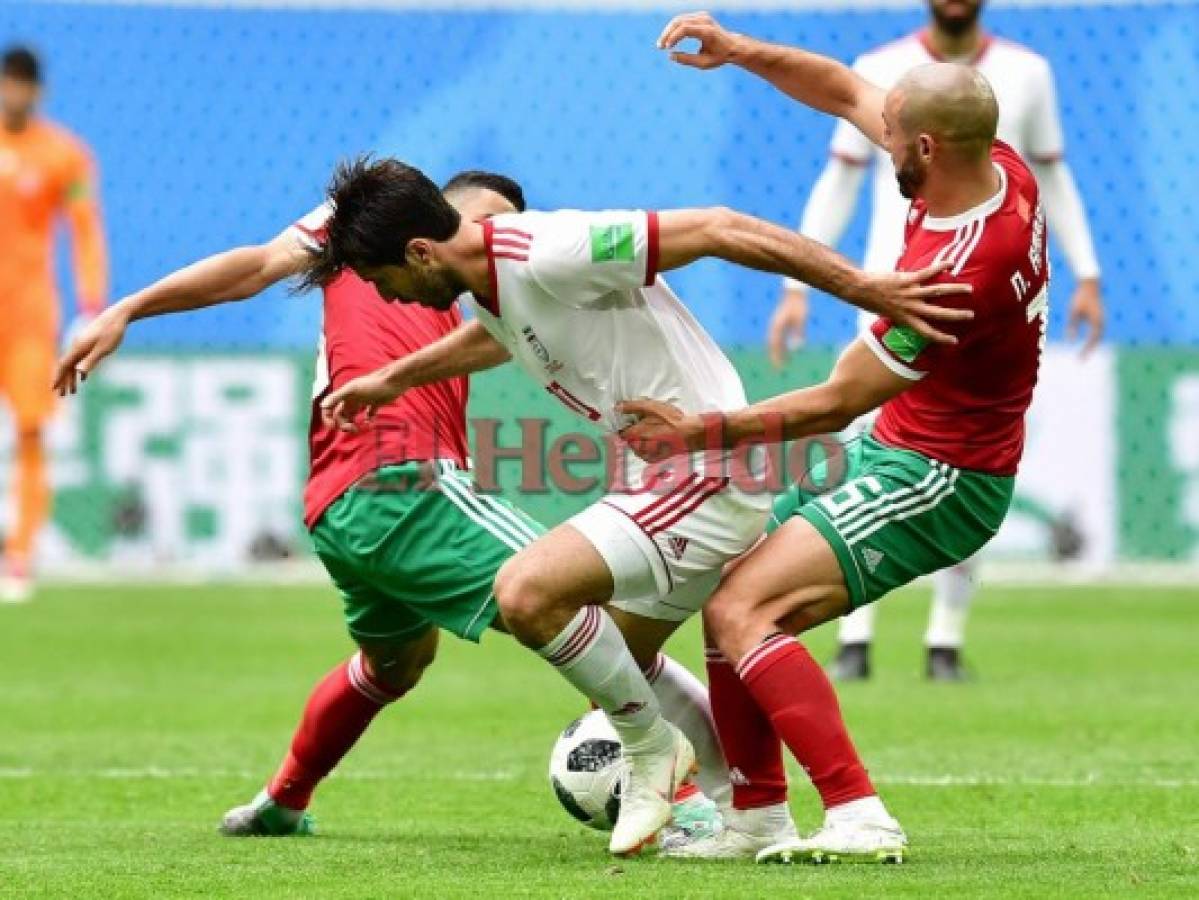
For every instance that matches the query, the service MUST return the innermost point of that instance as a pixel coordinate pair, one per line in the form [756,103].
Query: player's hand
[662,430]
[716,44]
[905,299]
[360,397]
[1086,310]
[788,325]
[90,344]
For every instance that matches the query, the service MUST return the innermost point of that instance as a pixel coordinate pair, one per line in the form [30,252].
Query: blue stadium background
[217,126]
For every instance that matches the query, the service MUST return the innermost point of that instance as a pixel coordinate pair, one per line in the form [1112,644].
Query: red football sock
[793,690]
[339,710]
[754,752]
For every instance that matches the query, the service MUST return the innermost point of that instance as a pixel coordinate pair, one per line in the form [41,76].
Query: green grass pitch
[131,717]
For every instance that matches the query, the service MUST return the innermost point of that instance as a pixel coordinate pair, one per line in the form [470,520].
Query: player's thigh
[543,584]
[791,581]
[399,663]
[26,370]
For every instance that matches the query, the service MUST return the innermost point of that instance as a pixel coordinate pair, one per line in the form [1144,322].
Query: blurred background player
[1028,121]
[46,173]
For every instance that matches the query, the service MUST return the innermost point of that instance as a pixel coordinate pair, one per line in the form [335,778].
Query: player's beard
[911,174]
[439,289]
[956,24]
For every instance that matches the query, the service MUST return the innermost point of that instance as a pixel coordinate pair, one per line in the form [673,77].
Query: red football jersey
[967,407]
[362,332]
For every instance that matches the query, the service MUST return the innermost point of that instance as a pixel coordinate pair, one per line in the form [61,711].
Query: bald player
[1028,120]
[926,488]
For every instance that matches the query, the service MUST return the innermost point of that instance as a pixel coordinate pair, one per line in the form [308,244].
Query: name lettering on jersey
[1019,285]
[1036,251]
[552,366]
[612,243]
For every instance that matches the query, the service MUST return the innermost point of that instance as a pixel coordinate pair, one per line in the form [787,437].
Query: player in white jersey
[1029,122]
[576,300]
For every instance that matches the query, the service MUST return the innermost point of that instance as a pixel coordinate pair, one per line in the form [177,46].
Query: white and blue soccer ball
[588,771]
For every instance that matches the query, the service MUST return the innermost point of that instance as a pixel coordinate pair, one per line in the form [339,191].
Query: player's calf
[339,710]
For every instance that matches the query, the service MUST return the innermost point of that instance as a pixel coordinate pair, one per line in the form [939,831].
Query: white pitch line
[150,773]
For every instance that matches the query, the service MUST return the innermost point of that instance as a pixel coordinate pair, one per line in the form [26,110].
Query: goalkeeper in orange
[46,174]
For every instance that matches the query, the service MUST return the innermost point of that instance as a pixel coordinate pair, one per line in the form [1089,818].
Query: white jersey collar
[984,209]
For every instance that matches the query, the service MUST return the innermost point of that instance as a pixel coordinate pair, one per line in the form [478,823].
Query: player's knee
[523,600]
[399,667]
[731,622]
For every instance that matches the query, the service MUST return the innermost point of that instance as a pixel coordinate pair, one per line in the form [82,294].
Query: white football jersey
[1028,121]
[576,298]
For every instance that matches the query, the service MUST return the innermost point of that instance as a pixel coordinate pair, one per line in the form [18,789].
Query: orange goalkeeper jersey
[46,174]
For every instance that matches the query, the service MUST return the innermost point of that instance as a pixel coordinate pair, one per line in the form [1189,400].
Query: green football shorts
[897,515]
[408,552]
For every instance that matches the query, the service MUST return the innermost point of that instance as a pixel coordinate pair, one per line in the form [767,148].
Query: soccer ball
[588,771]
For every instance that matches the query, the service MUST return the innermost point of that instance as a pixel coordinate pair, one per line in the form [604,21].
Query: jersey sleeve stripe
[890,361]
[849,158]
[515,243]
[311,240]
[507,254]
[651,250]
[511,233]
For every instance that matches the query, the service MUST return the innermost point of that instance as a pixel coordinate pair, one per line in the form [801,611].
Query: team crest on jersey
[551,365]
[612,243]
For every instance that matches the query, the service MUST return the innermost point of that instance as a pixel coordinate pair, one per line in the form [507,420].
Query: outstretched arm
[814,80]
[687,235]
[233,275]
[464,351]
[859,383]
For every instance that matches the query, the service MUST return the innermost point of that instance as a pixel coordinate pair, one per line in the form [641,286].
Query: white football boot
[870,837]
[656,769]
[745,833]
[263,817]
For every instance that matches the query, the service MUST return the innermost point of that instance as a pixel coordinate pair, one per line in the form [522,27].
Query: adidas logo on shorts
[872,558]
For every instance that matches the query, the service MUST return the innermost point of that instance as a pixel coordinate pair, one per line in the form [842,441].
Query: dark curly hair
[378,207]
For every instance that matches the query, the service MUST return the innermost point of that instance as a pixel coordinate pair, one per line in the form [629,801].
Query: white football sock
[858,626]
[953,589]
[685,704]
[591,654]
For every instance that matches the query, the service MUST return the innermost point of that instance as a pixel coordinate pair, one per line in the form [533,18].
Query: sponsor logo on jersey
[872,558]
[612,243]
[905,343]
[678,546]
